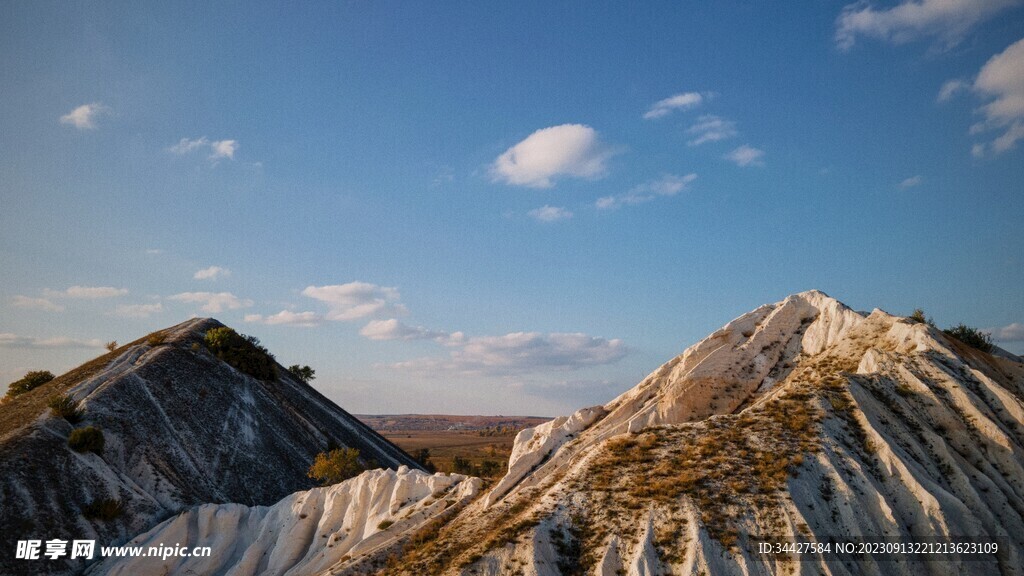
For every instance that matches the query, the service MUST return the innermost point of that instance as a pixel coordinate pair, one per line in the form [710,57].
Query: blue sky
[483,208]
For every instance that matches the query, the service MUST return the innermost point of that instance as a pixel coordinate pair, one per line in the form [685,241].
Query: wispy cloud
[138,310]
[86,292]
[521,353]
[682,101]
[1009,333]
[947,20]
[84,117]
[8,340]
[667,185]
[549,214]
[576,392]
[572,150]
[36,304]
[711,128]
[746,156]
[393,329]
[356,300]
[211,273]
[213,302]
[219,149]
[911,182]
[287,318]
[951,88]
[1001,83]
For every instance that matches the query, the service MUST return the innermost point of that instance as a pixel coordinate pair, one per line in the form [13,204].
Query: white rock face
[306,533]
[924,443]
[534,445]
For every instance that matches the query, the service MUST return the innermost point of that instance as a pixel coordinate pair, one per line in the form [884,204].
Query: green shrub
[88,439]
[918,317]
[103,509]
[244,353]
[66,408]
[30,381]
[462,465]
[971,336]
[156,338]
[423,457]
[488,469]
[336,466]
[384,525]
[302,373]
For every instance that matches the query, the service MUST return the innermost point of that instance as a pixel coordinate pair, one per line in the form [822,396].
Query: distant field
[485,442]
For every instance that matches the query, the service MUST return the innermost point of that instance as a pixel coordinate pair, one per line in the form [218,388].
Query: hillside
[180,427]
[801,421]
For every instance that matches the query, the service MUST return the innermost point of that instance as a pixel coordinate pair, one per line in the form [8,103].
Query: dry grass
[724,466]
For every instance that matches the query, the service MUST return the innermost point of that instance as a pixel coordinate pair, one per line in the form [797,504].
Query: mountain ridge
[181,427]
[800,421]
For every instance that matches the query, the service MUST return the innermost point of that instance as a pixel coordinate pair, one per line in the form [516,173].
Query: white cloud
[154,251]
[1001,82]
[138,310]
[682,101]
[86,292]
[84,117]
[224,149]
[184,146]
[213,302]
[948,20]
[950,88]
[211,273]
[1009,333]
[549,214]
[911,182]
[393,329]
[356,300]
[218,148]
[288,318]
[521,353]
[568,150]
[36,304]
[8,340]
[711,128]
[746,156]
[667,185]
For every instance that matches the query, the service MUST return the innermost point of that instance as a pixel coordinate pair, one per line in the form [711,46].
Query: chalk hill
[181,427]
[802,420]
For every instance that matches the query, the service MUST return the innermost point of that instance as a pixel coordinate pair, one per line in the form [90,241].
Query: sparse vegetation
[423,457]
[105,509]
[88,439]
[30,381]
[723,466]
[462,465]
[111,346]
[486,469]
[971,336]
[304,374]
[336,466]
[64,407]
[489,469]
[384,525]
[156,338]
[918,317]
[244,353]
